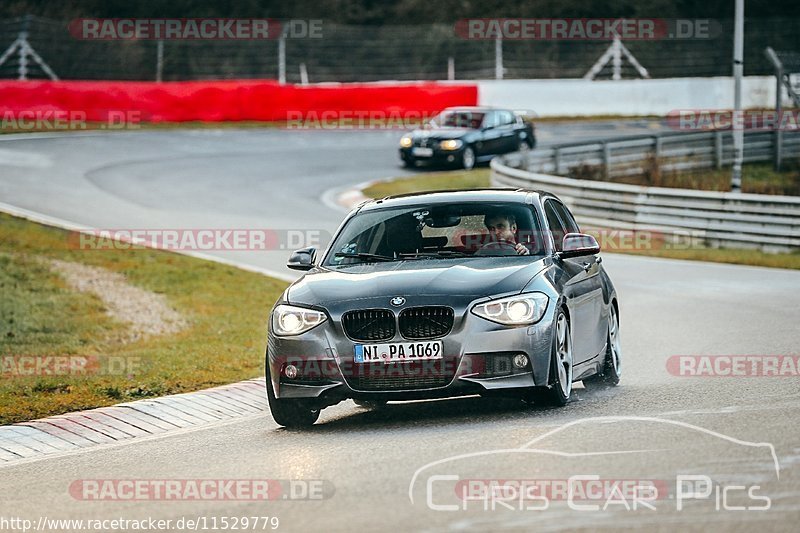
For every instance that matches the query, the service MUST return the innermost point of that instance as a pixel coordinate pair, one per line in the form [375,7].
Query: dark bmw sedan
[490,292]
[464,136]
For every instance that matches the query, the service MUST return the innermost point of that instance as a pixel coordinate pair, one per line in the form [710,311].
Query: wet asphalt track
[722,428]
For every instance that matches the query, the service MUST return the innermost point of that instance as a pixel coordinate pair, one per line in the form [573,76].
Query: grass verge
[480,178]
[757,178]
[40,317]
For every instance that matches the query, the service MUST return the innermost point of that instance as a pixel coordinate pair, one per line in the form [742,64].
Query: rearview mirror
[578,244]
[302,259]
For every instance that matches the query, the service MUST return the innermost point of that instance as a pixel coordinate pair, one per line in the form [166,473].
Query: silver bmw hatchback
[493,292]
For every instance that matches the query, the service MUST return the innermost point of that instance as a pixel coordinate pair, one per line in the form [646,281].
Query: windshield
[459,230]
[458,118]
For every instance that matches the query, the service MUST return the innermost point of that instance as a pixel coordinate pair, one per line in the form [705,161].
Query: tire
[468,158]
[612,365]
[290,413]
[523,146]
[559,392]
[371,404]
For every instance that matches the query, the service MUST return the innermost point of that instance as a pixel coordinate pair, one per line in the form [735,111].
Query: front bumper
[477,357]
[438,157]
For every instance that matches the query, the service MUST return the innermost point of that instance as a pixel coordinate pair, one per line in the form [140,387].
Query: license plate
[398,351]
[422,152]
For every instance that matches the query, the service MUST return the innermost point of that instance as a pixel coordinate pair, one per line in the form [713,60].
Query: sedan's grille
[400,376]
[369,324]
[426,322]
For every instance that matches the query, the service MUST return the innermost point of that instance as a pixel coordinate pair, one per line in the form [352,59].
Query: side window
[569,221]
[490,119]
[554,222]
[506,118]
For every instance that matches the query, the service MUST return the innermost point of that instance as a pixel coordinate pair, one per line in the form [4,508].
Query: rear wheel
[612,365]
[523,146]
[559,391]
[290,412]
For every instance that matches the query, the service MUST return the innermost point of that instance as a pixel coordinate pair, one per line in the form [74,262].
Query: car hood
[438,134]
[460,280]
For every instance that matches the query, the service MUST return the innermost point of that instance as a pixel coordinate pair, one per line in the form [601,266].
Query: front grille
[401,376]
[426,322]
[369,324]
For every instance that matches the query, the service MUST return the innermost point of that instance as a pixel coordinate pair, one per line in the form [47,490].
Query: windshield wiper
[365,256]
[438,253]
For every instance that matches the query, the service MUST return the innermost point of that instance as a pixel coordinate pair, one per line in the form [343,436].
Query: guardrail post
[606,160]
[718,149]
[657,146]
[556,160]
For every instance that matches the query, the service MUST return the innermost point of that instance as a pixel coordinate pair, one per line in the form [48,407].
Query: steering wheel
[501,247]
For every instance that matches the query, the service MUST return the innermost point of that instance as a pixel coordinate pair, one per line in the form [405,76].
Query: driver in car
[503,234]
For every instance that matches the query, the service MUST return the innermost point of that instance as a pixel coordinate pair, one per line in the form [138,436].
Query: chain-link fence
[369,53]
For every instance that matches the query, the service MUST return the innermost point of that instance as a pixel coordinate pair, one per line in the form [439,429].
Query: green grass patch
[481,178]
[757,178]
[733,256]
[40,316]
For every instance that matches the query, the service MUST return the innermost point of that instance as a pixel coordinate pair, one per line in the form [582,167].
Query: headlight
[291,320]
[451,144]
[519,310]
[406,142]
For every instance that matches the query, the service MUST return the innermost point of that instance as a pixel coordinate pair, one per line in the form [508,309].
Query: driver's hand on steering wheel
[521,250]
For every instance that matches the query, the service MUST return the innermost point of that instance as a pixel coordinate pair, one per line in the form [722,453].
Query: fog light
[520,360]
[290,371]
[451,158]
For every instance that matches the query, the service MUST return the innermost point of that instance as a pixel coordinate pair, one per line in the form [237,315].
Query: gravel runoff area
[146,313]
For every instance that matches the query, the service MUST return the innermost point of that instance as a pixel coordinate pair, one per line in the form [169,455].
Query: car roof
[482,109]
[509,194]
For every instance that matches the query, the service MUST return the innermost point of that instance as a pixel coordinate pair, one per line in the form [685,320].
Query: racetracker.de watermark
[355,119]
[586,29]
[177,490]
[734,366]
[726,119]
[218,239]
[193,29]
[61,120]
[20,366]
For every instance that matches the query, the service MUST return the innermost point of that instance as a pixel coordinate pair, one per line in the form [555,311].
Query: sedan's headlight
[406,142]
[519,310]
[291,320]
[451,144]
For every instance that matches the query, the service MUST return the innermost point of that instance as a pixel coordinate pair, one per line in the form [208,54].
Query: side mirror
[578,244]
[302,259]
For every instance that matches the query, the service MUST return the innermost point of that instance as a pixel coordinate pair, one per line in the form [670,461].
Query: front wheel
[290,412]
[468,158]
[559,391]
[612,365]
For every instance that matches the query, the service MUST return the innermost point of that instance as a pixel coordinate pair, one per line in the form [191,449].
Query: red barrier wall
[227,100]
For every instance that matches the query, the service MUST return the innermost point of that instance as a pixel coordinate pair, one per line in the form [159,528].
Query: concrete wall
[570,97]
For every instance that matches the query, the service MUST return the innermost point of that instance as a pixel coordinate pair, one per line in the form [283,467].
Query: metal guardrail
[666,152]
[766,222]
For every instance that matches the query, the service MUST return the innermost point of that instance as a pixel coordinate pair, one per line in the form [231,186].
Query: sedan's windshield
[458,118]
[459,230]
